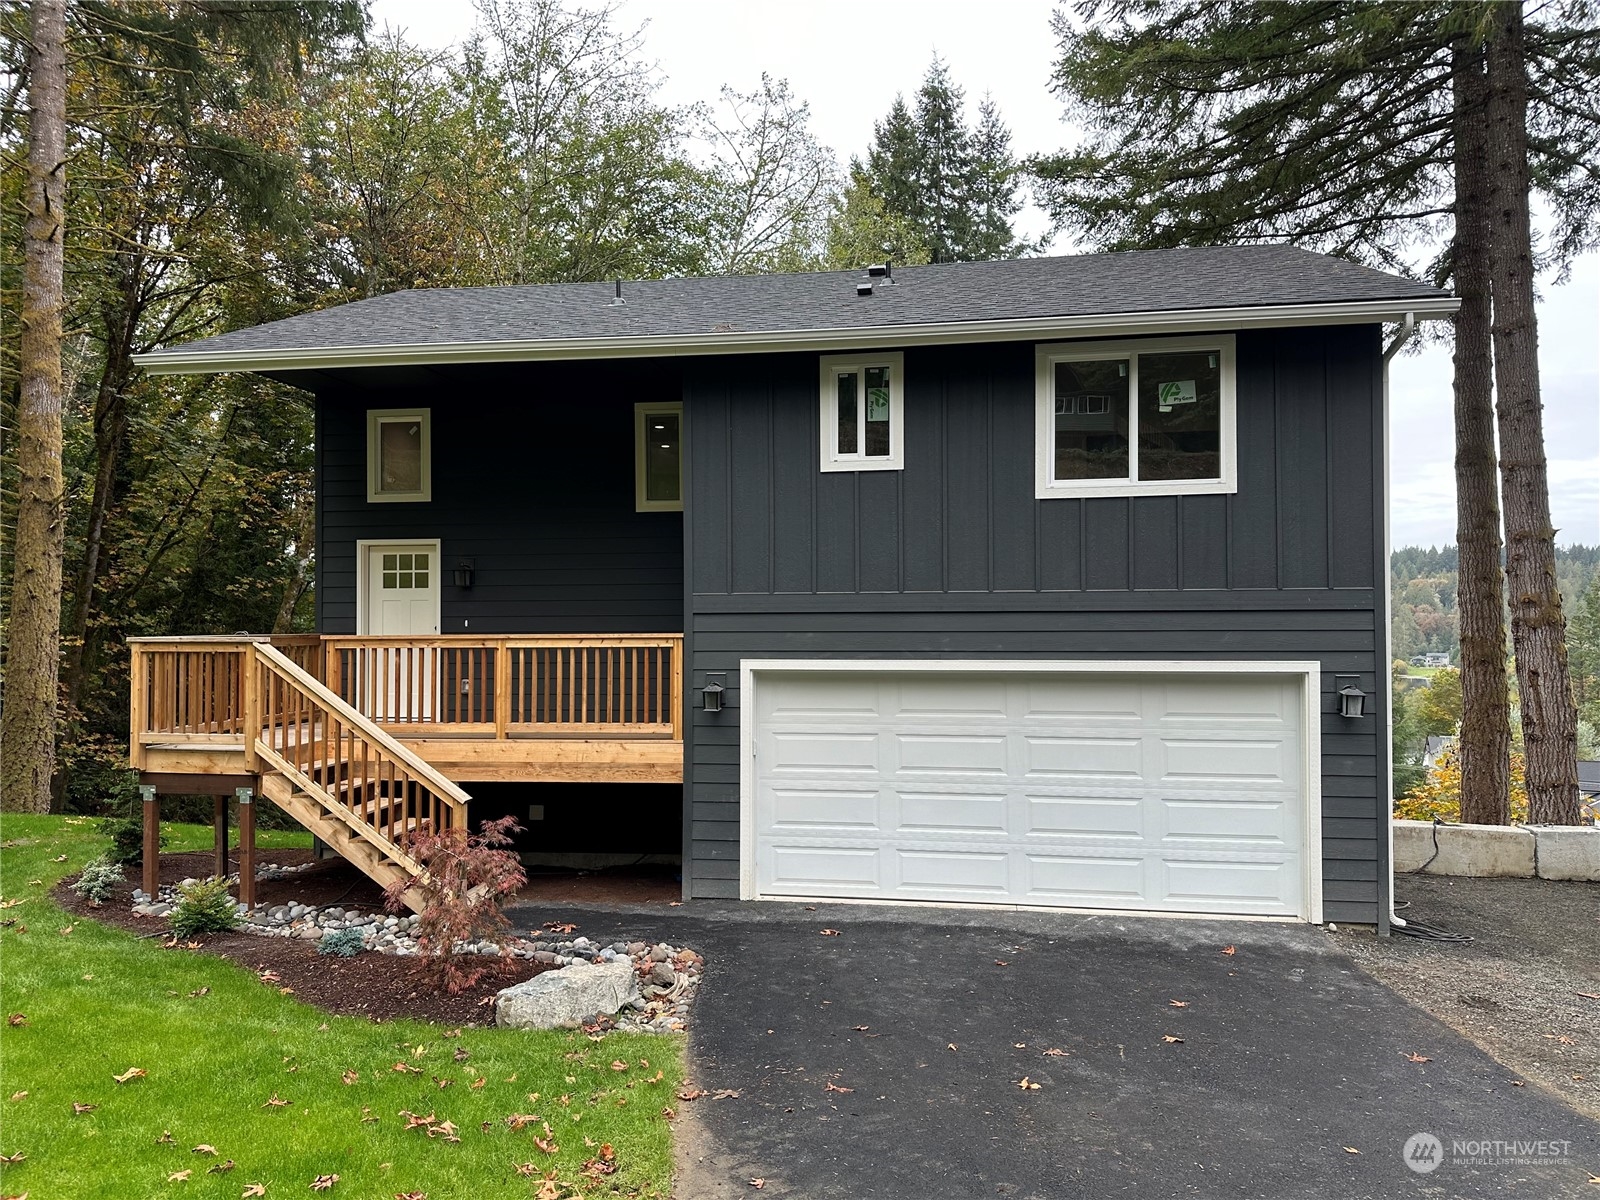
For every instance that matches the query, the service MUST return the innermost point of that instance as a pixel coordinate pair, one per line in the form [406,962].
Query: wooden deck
[559,708]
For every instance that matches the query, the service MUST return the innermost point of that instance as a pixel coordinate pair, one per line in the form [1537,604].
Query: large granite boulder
[568,997]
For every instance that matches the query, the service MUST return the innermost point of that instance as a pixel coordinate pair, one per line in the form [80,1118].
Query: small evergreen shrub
[204,907]
[127,840]
[99,876]
[342,943]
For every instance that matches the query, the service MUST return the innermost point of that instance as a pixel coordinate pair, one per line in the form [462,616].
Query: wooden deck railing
[196,690]
[624,685]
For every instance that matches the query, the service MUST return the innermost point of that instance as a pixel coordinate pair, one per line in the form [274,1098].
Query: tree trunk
[28,722]
[1538,629]
[1485,710]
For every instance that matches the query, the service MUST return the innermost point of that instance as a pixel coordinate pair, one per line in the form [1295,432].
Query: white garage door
[1175,793]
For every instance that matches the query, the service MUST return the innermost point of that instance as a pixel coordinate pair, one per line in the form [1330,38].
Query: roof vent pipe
[883,271]
[617,299]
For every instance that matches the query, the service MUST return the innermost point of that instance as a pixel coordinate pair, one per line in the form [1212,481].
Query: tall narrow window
[863,409]
[399,455]
[1150,417]
[658,457]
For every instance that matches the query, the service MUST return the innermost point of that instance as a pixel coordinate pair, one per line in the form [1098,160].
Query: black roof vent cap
[864,288]
[883,271]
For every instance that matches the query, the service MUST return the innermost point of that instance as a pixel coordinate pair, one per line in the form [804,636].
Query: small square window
[658,457]
[863,412]
[399,455]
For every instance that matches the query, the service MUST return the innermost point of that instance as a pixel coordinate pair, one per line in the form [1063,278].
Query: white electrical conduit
[1407,329]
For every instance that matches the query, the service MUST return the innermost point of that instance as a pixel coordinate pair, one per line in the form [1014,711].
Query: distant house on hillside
[1434,658]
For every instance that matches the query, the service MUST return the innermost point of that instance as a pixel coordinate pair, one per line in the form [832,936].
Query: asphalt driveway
[1291,1078]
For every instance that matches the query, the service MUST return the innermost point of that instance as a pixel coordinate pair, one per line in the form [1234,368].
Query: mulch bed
[379,986]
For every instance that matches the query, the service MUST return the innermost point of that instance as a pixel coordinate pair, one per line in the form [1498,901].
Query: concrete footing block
[1567,851]
[1482,851]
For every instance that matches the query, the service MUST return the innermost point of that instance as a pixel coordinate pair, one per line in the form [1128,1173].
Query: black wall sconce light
[1351,699]
[711,694]
[463,573]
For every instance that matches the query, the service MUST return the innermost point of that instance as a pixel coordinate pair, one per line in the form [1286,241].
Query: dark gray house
[1057,582]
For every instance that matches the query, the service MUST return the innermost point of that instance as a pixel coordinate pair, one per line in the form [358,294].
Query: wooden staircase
[339,774]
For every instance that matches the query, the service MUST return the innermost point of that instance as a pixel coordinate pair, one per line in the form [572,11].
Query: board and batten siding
[954,557]
[533,479]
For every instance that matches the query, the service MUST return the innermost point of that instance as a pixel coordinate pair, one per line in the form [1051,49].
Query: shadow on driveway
[1291,1077]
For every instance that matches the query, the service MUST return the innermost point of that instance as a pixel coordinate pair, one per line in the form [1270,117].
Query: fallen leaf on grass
[690,1092]
[274,1102]
[1350,1150]
[180,1176]
[461,1054]
[549,1147]
[368,1117]
[548,1190]
[404,1067]
[222,1168]
[1178,1003]
[166,1138]
[79,1109]
[59,858]
[323,1182]
[254,1189]
[669,1114]
[1417,1058]
[15,1096]
[477,1084]
[526,1168]
[833,1087]
[618,1065]
[130,1073]
[1230,951]
[350,1077]
[830,933]
[269,977]
[19,900]
[199,991]
[443,1083]
[1027,1084]
[411,1196]
[1055,1053]
[1169,1039]
[203,1148]
[415,1122]
[13,1159]
[16,1019]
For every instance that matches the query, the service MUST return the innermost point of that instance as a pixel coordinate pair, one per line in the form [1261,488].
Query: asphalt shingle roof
[1146,281]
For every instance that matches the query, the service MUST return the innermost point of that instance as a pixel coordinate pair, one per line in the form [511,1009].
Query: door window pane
[848,436]
[1180,416]
[400,456]
[663,456]
[877,423]
[1091,420]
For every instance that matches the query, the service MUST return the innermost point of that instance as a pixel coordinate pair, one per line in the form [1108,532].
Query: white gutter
[199,361]
[1408,328]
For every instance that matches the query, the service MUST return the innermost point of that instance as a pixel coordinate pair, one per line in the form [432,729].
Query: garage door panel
[955,873]
[815,810]
[1147,793]
[1082,757]
[1224,821]
[1225,760]
[1231,886]
[1094,816]
[960,813]
[835,753]
[1085,880]
[951,753]
[801,869]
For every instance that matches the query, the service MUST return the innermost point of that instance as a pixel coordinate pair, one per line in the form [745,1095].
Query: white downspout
[1408,328]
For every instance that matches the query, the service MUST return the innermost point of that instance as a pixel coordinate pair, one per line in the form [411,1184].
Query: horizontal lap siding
[952,557]
[533,479]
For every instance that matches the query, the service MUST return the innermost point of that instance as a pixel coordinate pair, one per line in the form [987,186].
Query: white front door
[400,684]
[1169,793]
[402,590]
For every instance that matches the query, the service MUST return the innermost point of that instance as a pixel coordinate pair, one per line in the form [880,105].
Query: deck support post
[152,840]
[219,822]
[247,846]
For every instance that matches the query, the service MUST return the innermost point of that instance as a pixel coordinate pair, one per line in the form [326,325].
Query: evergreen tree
[994,188]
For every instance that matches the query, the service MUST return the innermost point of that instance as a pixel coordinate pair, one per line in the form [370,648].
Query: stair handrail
[438,783]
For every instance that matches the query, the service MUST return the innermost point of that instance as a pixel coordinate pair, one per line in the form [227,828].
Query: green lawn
[96,1002]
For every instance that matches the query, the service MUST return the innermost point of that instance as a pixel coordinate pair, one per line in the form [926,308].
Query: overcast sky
[849,58]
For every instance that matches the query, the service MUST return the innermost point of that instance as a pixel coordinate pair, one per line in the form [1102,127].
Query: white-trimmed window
[399,455]
[1152,417]
[658,457]
[863,412]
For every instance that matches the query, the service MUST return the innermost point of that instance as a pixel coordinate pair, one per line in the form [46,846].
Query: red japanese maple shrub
[466,878]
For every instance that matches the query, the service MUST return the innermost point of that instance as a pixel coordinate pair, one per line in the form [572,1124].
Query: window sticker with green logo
[1179,391]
